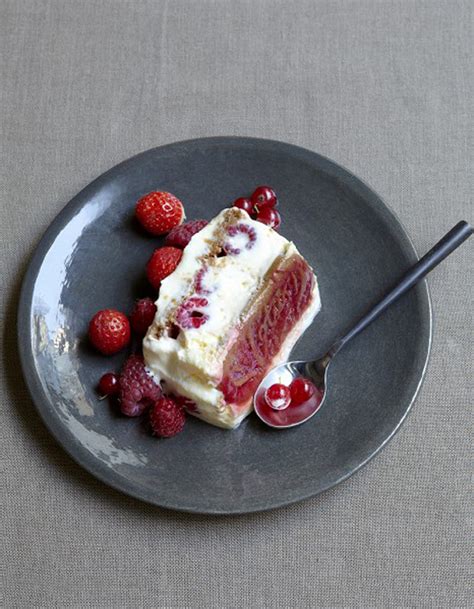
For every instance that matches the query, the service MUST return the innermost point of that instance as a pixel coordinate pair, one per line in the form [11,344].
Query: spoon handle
[453,239]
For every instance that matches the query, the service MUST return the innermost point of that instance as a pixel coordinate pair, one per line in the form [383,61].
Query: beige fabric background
[385,89]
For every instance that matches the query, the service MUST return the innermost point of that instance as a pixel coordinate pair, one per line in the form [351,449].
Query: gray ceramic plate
[93,256]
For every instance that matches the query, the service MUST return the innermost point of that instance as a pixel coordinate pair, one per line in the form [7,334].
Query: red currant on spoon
[301,389]
[278,396]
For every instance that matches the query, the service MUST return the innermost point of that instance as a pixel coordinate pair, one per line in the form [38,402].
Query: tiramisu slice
[233,308]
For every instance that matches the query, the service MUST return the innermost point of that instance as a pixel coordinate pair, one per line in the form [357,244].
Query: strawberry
[162,263]
[159,212]
[109,331]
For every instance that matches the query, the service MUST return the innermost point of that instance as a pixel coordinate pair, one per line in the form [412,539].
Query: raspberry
[138,390]
[167,418]
[180,236]
[189,315]
[159,212]
[109,331]
[142,315]
[243,229]
[199,282]
[162,263]
[185,403]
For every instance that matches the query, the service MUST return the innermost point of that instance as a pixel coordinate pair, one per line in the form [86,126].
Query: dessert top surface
[221,268]
[231,255]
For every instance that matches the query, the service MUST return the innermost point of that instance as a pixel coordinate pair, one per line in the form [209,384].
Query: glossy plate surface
[93,256]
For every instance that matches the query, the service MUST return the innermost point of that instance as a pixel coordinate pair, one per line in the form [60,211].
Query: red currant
[278,396]
[109,384]
[245,204]
[269,216]
[263,197]
[301,390]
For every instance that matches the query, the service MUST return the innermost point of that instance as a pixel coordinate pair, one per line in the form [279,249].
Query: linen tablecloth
[383,88]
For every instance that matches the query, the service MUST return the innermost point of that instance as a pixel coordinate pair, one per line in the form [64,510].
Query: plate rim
[32,379]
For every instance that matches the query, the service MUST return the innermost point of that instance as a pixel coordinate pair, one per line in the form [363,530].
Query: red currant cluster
[261,206]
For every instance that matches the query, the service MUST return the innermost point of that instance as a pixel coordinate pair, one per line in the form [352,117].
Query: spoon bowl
[315,371]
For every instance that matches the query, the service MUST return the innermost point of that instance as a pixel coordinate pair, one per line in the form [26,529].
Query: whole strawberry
[142,315]
[167,418]
[162,263]
[159,212]
[109,331]
[181,235]
[137,389]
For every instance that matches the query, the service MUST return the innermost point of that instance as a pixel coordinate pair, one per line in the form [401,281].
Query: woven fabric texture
[382,87]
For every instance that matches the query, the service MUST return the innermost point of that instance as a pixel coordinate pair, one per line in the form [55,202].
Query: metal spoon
[317,369]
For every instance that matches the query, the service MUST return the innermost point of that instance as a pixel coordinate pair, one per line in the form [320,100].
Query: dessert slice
[234,307]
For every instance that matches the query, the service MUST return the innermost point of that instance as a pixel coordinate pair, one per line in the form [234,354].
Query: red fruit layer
[286,296]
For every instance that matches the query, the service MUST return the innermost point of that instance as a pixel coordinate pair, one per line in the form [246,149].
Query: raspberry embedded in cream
[235,305]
